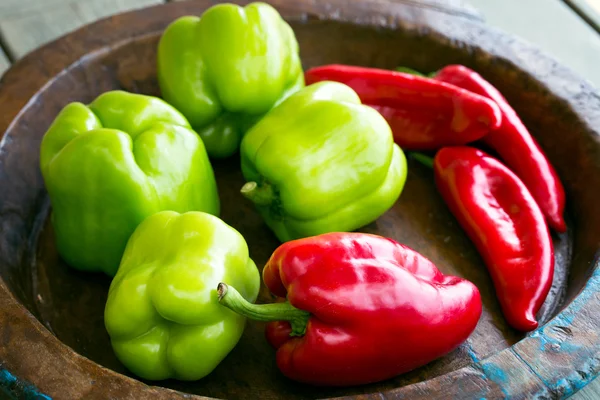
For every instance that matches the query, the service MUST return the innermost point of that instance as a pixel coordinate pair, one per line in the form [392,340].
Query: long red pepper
[505,223]
[423,113]
[360,308]
[516,146]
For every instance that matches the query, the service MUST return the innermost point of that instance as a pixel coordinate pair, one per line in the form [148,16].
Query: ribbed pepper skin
[377,309]
[330,163]
[109,165]
[225,69]
[162,312]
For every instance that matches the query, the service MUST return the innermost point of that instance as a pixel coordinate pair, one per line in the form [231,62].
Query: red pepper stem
[262,195]
[422,158]
[232,299]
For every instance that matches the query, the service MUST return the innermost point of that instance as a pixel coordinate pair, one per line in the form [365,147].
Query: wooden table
[568,30]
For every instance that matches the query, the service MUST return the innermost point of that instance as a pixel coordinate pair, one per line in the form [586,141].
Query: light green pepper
[109,165]
[321,162]
[225,69]
[163,314]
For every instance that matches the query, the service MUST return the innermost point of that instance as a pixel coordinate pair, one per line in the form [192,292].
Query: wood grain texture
[589,392]
[551,350]
[28,24]
[460,8]
[52,334]
[558,30]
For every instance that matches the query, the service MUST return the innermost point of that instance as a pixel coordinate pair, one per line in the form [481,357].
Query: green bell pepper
[109,165]
[162,313]
[321,162]
[225,69]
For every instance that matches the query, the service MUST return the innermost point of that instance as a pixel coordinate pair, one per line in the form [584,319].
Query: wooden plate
[51,327]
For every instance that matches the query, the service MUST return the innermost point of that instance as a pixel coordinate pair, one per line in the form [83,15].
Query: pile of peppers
[134,196]
[506,206]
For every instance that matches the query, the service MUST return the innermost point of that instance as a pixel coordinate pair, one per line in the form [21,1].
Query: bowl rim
[488,375]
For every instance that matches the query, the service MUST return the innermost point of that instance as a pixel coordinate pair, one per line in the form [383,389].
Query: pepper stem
[232,299]
[411,71]
[422,158]
[262,195]
[408,70]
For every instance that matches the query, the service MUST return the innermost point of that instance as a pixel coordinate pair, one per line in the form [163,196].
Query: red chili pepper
[423,113]
[360,308]
[505,223]
[516,146]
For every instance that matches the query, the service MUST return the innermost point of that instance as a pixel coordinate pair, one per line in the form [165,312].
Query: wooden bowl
[51,319]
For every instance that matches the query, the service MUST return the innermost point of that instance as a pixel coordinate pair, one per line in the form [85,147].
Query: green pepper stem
[422,158]
[408,70]
[262,195]
[232,299]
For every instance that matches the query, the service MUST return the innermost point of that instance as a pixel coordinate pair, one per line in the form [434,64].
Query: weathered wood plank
[559,31]
[563,353]
[590,392]
[3,62]
[514,379]
[27,24]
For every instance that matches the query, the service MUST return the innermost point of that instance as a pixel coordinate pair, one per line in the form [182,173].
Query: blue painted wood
[564,352]
[562,355]
[507,372]
[11,387]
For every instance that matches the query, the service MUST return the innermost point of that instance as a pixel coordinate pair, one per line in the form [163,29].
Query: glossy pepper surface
[505,223]
[359,308]
[515,145]
[226,68]
[321,162]
[162,313]
[424,113]
[112,163]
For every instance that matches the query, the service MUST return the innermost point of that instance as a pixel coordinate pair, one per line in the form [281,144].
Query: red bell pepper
[360,308]
[515,145]
[505,223]
[423,113]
